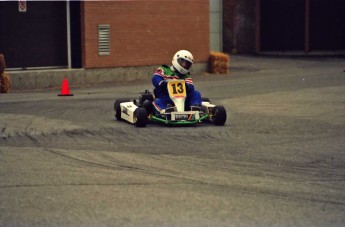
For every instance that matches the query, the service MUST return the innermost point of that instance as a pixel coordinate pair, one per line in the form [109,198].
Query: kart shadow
[156,124]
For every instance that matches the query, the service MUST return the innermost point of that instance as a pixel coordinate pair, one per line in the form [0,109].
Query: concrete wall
[42,79]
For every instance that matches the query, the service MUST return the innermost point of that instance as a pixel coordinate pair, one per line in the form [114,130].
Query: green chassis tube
[158,119]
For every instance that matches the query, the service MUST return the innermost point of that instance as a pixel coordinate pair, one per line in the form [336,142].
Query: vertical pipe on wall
[221,25]
[257,26]
[68,35]
[307,27]
[82,27]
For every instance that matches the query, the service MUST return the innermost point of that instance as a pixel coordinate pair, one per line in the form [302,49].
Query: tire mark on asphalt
[277,192]
[3,135]
[122,167]
[32,139]
[85,184]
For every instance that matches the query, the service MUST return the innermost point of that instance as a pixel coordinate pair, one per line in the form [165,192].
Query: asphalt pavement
[278,160]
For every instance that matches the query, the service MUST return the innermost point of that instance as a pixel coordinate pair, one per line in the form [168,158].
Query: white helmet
[182,61]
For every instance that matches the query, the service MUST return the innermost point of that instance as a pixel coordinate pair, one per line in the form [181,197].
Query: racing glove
[189,88]
[163,86]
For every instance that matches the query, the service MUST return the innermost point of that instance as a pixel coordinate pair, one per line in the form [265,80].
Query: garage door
[35,38]
[302,25]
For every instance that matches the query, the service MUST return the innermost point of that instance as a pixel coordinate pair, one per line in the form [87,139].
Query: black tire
[147,104]
[117,108]
[140,117]
[219,115]
[205,100]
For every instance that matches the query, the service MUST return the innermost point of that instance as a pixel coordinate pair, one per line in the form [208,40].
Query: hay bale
[219,63]
[5,81]
[2,64]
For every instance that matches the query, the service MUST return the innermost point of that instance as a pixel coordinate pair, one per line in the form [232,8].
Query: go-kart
[140,112]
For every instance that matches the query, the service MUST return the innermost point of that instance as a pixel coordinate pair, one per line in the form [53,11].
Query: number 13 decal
[177,88]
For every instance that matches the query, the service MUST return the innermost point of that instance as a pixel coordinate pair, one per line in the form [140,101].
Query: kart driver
[181,64]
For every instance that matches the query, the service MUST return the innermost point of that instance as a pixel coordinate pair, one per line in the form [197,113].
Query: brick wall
[145,32]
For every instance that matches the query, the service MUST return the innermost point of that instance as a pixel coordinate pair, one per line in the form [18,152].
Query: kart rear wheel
[117,108]
[147,104]
[140,117]
[219,115]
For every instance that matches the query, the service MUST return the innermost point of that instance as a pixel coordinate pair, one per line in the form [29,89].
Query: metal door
[35,38]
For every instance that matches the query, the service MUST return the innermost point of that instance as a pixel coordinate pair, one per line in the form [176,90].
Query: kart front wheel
[140,117]
[219,115]
[117,108]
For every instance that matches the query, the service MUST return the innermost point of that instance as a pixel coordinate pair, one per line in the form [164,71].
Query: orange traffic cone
[65,89]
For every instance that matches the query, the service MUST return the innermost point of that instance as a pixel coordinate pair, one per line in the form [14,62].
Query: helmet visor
[184,63]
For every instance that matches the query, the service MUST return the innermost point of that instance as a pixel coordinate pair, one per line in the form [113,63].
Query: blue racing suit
[159,78]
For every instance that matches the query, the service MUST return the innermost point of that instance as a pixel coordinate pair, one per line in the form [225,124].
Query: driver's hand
[189,88]
[163,86]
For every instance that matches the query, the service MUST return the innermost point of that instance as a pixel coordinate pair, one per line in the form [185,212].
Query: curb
[43,79]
